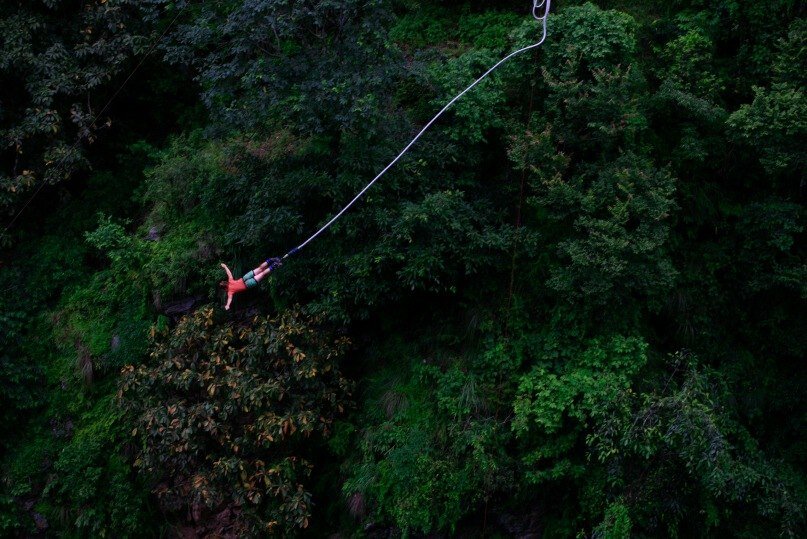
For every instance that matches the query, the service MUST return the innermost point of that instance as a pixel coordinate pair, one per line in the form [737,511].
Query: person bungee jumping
[249,280]
[540,12]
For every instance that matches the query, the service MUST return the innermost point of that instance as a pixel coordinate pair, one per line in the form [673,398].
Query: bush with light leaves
[225,412]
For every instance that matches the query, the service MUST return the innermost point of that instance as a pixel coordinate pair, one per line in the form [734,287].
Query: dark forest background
[575,309]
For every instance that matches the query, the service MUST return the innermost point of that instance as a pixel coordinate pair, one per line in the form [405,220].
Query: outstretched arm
[229,287]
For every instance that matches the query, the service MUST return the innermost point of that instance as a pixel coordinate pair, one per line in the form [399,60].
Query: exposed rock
[181,306]
[61,429]
[40,521]
[527,526]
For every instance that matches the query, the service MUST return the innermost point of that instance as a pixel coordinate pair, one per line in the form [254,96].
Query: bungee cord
[540,11]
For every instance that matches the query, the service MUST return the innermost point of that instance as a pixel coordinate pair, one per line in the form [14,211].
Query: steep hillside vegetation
[574,309]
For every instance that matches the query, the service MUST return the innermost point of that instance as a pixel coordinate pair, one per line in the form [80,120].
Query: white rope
[540,11]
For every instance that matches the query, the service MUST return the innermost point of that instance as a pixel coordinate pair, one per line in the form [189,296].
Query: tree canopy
[574,309]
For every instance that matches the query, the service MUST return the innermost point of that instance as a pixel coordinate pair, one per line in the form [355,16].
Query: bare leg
[261,273]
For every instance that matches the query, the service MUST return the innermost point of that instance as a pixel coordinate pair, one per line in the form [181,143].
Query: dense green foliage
[56,65]
[575,309]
